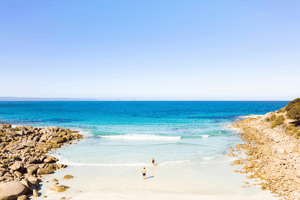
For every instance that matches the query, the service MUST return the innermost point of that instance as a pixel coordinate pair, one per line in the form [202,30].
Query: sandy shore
[204,180]
[195,181]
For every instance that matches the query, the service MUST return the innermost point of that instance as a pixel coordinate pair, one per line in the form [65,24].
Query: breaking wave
[140,137]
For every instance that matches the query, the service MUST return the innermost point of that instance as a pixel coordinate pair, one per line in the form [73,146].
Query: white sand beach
[178,181]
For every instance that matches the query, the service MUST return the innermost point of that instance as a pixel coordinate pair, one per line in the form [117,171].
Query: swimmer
[144,173]
[153,162]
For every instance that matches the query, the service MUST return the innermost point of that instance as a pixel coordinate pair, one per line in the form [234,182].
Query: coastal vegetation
[293,109]
[273,117]
[277,121]
[273,150]
[24,159]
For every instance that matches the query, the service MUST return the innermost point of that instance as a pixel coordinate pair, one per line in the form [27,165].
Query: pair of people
[144,171]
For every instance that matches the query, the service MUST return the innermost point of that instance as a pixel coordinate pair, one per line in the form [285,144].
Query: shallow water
[132,133]
[189,141]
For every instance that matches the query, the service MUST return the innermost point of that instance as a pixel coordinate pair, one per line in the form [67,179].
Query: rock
[250,164]
[4,126]
[59,166]
[35,193]
[59,140]
[2,169]
[238,162]
[16,166]
[20,133]
[50,159]
[27,183]
[68,176]
[32,180]
[231,154]
[57,188]
[11,190]
[33,161]
[22,150]
[23,197]
[50,167]
[18,174]
[36,138]
[32,169]
[44,138]
[44,171]
[28,143]
[54,180]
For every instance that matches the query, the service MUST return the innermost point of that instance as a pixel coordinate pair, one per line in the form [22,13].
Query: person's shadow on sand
[150,177]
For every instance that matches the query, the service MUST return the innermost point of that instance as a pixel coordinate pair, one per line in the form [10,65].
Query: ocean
[122,133]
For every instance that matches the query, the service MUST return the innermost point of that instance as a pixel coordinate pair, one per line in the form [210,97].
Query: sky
[150,50]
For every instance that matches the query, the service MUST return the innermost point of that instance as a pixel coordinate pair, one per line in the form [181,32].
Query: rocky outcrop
[11,190]
[23,158]
[60,188]
[273,153]
[68,176]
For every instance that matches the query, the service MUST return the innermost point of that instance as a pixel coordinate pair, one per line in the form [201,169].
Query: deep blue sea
[131,133]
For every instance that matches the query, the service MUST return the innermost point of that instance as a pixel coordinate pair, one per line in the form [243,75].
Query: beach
[189,141]
[166,182]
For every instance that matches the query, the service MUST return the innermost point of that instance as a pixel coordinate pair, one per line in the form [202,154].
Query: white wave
[185,162]
[208,158]
[107,165]
[140,137]
[84,132]
[205,136]
[250,116]
[124,164]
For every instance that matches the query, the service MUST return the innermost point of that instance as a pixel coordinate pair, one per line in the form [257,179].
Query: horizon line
[108,99]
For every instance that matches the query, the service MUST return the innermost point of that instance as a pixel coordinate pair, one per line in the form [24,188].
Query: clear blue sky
[163,50]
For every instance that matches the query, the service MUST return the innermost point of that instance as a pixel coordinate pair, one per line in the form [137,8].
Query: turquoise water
[131,133]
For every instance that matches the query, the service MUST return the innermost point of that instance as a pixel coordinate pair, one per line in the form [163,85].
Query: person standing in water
[153,162]
[144,173]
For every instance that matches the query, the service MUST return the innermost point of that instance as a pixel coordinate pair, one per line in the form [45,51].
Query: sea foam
[140,137]
[125,164]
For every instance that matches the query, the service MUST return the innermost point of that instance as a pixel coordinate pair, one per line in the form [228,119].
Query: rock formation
[273,150]
[24,159]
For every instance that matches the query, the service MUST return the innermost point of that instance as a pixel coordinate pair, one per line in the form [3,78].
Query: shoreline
[158,190]
[25,158]
[185,186]
[168,183]
[273,153]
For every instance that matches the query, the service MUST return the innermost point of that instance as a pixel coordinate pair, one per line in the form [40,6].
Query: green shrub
[282,110]
[280,118]
[291,130]
[4,133]
[284,125]
[293,109]
[278,121]
[15,129]
[273,117]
